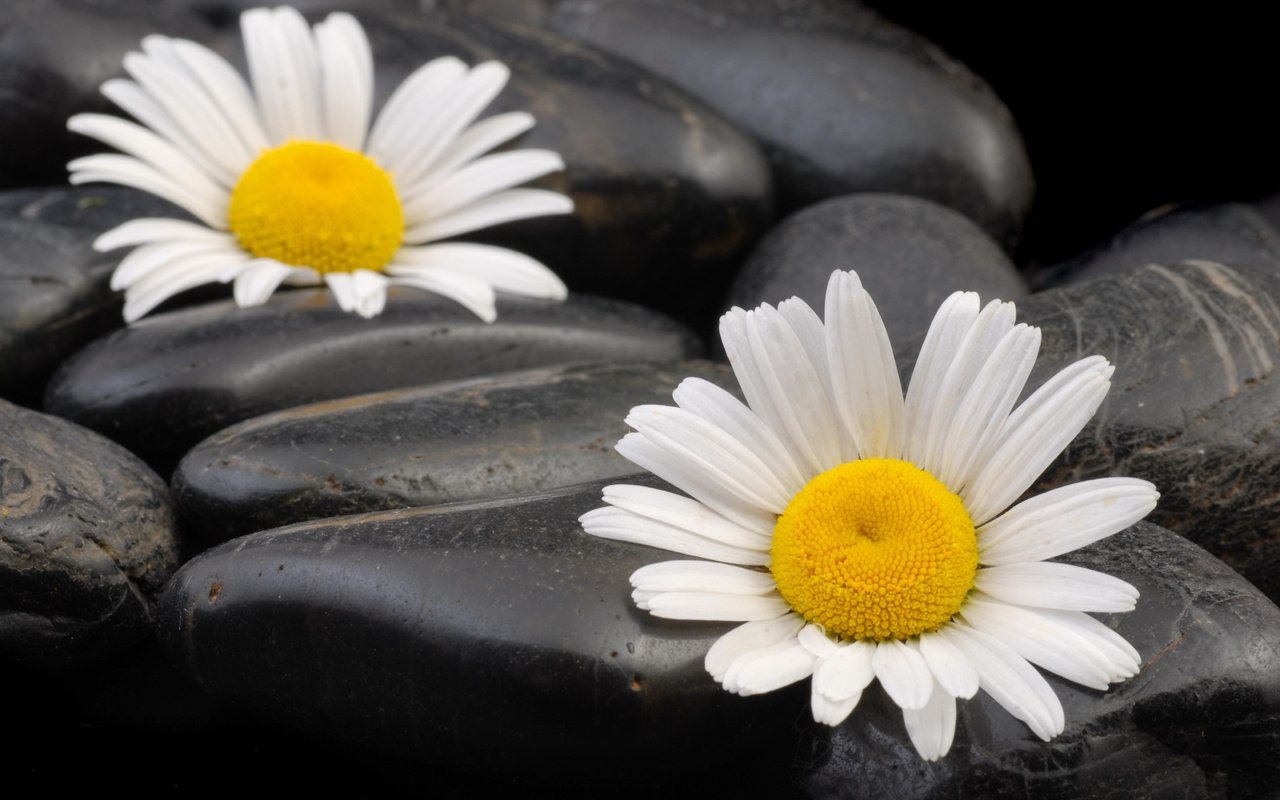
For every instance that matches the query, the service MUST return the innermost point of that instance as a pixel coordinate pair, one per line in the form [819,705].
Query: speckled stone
[87,539]
[504,435]
[909,253]
[168,381]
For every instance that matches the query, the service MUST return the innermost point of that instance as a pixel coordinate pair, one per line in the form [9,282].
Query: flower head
[859,535]
[293,185]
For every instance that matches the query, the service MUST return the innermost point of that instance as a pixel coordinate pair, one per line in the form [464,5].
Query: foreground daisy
[860,536]
[293,186]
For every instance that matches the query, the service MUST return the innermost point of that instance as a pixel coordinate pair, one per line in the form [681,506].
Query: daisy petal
[153,230]
[126,171]
[623,526]
[477,180]
[371,292]
[864,375]
[1117,650]
[808,327]
[903,673]
[508,206]
[472,293]
[688,576]
[816,641]
[950,668]
[953,320]
[284,68]
[255,283]
[706,447]
[687,513]
[845,673]
[346,78]
[1034,435]
[1065,519]
[478,140]
[1039,642]
[505,270]
[183,274]
[344,291]
[417,95]
[748,638]
[765,670]
[831,712]
[713,607]
[932,727]
[1010,680]
[152,258]
[1046,584]
[228,91]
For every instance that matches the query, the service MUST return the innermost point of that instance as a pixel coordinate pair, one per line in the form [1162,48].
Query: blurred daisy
[292,184]
[861,536]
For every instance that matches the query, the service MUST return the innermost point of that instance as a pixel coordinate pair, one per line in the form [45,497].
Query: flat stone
[54,54]
[909,253]
[86,541]
[1193,401]
[55,293]
[168,381]
[499,436]
[1201,720]
[842,100]
[492,637]
[666,192]
[497,638]
[1231,233]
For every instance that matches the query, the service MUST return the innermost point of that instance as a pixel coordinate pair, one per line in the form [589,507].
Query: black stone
[1231,233]
[55,294]
[666,192]
[1193,400]
[842,100]
[909,253]
[54,54]
[168,381]
[1201,720]
[490,437]
[492,637]
[86,540]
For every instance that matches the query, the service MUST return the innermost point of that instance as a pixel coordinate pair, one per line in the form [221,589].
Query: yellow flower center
[875,549]
[318,205]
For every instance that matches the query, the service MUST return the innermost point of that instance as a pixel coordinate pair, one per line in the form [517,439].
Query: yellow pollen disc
[875,549]
[318,205]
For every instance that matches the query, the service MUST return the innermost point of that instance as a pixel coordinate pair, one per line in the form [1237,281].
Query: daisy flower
[862,536]
[292,185]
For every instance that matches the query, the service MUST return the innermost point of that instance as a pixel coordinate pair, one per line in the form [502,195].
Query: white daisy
[292,184]
[862,536]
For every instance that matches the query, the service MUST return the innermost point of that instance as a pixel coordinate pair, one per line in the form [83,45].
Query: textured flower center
[318,205]
[875,549]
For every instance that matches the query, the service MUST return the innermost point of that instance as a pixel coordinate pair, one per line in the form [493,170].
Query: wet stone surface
[86,541]
[909,253]
[1200,720]
[842,100]
[54,54]
[168,381]
[55,293]
[505,435]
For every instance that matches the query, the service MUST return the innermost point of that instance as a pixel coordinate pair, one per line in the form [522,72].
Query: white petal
[127,171]
[831,712]
[344,291]
[1044,642]
[1114,647]
[950,667]
[933,727]
[689,576]
[710,606]
[153,230]
[228,91]
[259,279]
[808,327]
[623,526]
[161,257]
[763,671]
[371,292]
[476,141]
[505,270]
[706,447]
[416,98]
[284,68]
[158,286]
[815,639]
[472,293]
[1065,519]
[1034,435]
[1047,584]
[844,674]
[479,179]
[864,375]
[687,513]
[947,331]
[691,479]
[744,639]
[346,77]
[508,206]
[1010,680]
[986,405]
[716,405]
[432,133]
[903,673]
